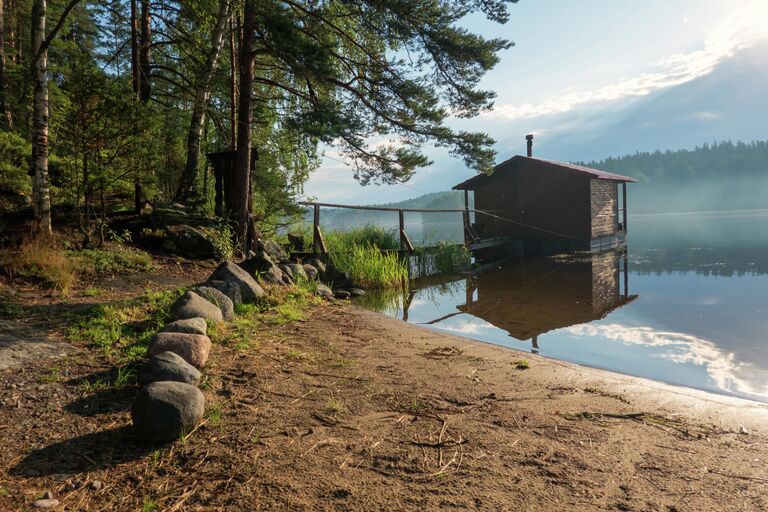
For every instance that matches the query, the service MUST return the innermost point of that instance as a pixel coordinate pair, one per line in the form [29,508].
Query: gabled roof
[475,181]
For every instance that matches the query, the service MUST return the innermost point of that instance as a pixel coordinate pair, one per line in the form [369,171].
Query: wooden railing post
[405,242]
[318,244]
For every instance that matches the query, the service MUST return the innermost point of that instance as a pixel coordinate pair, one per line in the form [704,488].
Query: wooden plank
[380,208]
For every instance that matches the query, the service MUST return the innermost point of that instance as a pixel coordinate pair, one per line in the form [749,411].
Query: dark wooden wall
[553,200]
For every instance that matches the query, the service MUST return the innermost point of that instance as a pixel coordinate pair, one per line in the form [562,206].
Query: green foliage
[123,329]
[369,267]
[115,260]
[15,185]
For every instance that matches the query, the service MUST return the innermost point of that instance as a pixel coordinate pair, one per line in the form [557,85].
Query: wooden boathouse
[545,206]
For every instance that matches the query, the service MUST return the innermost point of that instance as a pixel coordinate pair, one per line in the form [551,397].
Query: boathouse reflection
[529,298]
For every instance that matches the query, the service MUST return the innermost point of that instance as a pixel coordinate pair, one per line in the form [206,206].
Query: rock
[297,271]
[228,288]
[229,271]
[296,242]
[95,485]
[319,265]
[196,325]
[287,270]
[336,276]
[222,301]
[356,292]
[192,305]
[46,503]
[274,275]
[168,366]
[311,271]
[341,294]
[162,411]
[324,292]
[193,348]
[188,242]
[275,250]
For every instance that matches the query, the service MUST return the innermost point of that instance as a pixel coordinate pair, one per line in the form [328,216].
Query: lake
[687,303]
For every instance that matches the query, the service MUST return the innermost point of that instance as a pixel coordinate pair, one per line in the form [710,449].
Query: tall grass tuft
[368,235]
[44,259]
[367,266]
[443,258]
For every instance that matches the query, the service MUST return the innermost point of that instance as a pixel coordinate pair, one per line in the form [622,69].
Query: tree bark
[145,53]
[233,83]
[41,189]
[134,49]
[41,192]
[3,86]
[202,92]
[242,168]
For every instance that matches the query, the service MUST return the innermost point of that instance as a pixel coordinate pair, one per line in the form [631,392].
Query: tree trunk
[233,83]
[202,92]
[41,192]
[3,85]
[145,53]
[134,49]
[242,168]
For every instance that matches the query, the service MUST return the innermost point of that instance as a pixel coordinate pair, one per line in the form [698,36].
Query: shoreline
[718,409]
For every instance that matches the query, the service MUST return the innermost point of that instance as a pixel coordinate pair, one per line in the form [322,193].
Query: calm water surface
[687,304]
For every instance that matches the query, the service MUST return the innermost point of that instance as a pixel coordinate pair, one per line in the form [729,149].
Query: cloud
[725,371]
[738,31]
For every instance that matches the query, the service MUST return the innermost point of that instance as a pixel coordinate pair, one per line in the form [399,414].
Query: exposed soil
[349,410]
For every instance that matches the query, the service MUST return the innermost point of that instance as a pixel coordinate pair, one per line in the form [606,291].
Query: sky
[592,65]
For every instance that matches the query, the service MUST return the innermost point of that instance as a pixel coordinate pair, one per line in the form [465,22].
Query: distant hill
[720,176]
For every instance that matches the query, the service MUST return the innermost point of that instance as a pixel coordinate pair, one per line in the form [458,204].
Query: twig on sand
[183,498]
[318,444]
[442,469]
[739,477]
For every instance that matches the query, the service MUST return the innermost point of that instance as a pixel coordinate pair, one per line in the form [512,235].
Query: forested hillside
[720,176]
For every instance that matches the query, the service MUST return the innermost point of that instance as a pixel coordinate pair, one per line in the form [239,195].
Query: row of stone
[169,402]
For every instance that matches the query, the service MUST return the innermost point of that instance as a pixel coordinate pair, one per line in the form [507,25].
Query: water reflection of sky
[687,327]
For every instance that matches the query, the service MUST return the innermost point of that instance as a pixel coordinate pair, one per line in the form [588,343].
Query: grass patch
[122,330]
[43,259]
[53,376]
[214,415]
[334,406]
[367,266]
[287,313]
[114,260]
[92,292]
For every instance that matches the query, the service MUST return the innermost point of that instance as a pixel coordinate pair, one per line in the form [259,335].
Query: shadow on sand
[89,452]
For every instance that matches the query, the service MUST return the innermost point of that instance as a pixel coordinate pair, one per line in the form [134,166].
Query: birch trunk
[242,170]
[202,92]
[41,192]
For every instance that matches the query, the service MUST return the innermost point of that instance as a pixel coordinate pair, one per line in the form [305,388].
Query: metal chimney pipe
[529,139]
